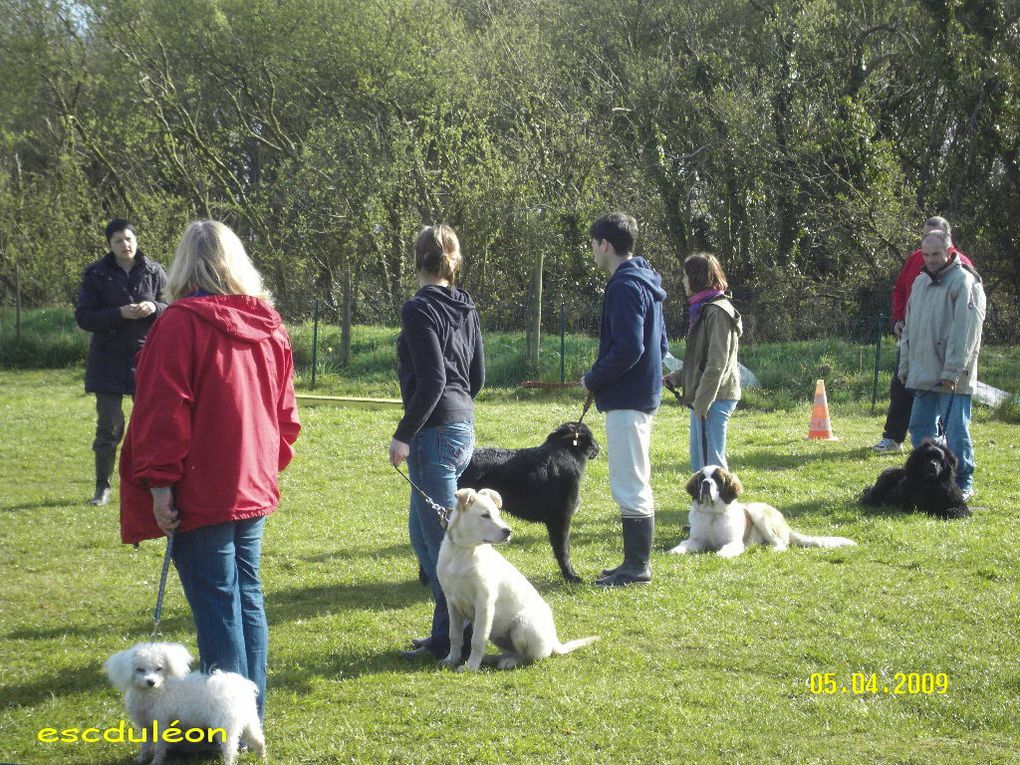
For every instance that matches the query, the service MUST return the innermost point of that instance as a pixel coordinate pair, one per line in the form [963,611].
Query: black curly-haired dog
[540,484]
[926,482]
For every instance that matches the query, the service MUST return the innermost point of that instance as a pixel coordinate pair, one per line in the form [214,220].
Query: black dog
[540,484]
[927,482]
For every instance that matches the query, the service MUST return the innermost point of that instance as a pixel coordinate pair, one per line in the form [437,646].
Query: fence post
[315,341]
[535,319]
[563,346]
[345,328]
[878,358]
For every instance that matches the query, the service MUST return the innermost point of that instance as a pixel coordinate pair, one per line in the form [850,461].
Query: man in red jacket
[901,400]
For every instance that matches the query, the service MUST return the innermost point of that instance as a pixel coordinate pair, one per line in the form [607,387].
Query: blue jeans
[932,406]
[438,455]
[219,571]
[715,426]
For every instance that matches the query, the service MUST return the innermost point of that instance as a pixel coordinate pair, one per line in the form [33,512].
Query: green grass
[708,664]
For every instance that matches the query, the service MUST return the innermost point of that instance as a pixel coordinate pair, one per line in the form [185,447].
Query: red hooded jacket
[911,268]
[214,415]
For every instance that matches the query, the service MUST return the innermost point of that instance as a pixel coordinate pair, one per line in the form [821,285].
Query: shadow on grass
[771,461]
[65,681]
[139,632]
[309,602]
[44,504]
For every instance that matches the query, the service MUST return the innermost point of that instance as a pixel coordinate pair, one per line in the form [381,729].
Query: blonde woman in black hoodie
[441,368]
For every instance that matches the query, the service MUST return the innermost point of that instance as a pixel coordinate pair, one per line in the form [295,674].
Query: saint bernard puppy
[721,524]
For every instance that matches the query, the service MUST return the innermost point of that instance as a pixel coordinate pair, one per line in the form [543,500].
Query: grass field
[710,663]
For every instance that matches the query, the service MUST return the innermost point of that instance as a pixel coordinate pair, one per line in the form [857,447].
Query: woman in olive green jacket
[710,375]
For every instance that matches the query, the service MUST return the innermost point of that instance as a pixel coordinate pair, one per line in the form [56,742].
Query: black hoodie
[440,359]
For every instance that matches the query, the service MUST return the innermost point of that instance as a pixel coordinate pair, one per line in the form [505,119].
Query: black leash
[442,513]
[940,426]
[941,429]
[587,405]
[162,586]
[672,389]
[701,423]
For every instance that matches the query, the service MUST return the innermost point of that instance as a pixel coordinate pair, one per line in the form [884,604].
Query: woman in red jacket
[213,423]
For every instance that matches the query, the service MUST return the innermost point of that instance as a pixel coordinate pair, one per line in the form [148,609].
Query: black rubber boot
[104,469]
[637,549]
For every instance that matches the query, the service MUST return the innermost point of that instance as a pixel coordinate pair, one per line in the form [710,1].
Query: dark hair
[115,225]
[619,229]
[704,272]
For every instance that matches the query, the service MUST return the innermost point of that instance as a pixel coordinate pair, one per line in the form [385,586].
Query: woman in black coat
[121,295]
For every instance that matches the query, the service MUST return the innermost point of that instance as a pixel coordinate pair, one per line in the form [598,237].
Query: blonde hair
[437,252]
[210,257]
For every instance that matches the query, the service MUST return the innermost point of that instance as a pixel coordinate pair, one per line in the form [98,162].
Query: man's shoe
[101,497]
[887,446]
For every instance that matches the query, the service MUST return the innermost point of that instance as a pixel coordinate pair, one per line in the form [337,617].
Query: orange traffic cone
[820,428]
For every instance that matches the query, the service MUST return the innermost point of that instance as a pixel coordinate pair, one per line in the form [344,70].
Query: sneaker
[887,446]
[967,494]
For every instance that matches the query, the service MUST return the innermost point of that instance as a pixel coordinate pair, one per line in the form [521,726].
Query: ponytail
[437,252]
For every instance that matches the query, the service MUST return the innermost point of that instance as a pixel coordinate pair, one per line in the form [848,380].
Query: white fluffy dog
[482,586]
[158,688]
[721,524]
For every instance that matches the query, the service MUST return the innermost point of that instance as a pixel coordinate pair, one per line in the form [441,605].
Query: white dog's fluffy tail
[803,540]
[573,645]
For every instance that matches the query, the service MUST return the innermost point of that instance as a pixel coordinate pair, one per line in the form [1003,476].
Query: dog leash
[162,586]
[940,425]
[587,405]
[442,513]
[701,423]
[941,430]
[672,389]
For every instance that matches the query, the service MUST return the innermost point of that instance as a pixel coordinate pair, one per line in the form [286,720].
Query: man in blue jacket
[627,382]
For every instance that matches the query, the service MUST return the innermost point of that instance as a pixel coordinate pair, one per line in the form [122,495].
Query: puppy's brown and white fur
[721,524]
[484,587]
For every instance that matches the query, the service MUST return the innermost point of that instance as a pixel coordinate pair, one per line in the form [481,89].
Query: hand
[146,308]
[903,379]
[398,452]
[583,386]
[897,328]
[671,379]
[949,385]
[167,517]
[129,311]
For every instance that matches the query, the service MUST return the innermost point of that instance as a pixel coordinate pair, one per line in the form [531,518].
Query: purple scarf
[695,303]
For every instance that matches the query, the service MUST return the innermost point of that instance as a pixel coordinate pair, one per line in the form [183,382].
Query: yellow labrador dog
[721,524]
[482,586]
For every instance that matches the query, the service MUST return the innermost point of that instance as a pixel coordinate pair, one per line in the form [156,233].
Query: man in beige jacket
[939,350]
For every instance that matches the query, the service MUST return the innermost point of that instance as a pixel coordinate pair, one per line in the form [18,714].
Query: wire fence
[856,354]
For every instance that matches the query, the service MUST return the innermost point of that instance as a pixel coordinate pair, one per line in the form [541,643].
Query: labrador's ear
[694,486]
[731,488]
[494,496]
[464,498]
